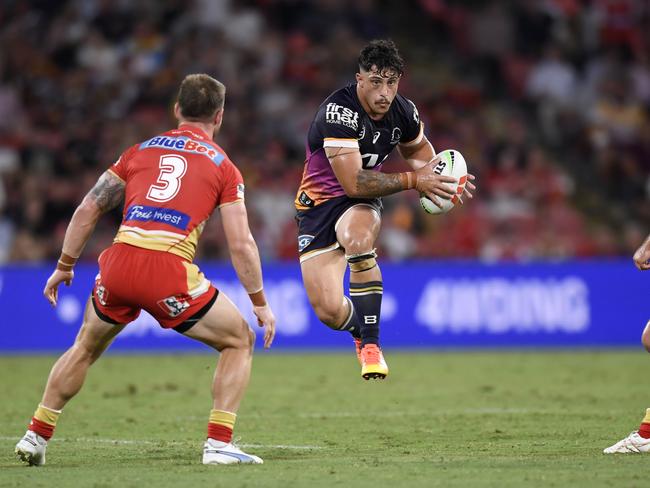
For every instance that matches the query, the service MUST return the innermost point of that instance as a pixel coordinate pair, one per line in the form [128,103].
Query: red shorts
[172,290]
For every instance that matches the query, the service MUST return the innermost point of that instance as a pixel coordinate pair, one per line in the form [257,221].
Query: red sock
[644,430]
[45,430]
[219,432]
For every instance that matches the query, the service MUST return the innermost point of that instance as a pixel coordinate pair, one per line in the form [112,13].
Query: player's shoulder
[345,96]
[405,109]
[226,165]
[220,150]
[119,167]
[129,152]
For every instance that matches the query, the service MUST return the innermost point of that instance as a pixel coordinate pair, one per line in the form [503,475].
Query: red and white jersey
[174,181]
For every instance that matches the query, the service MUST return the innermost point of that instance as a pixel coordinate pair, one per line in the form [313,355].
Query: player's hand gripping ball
[452,163]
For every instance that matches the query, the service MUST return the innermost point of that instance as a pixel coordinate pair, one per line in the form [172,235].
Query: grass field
[445,419]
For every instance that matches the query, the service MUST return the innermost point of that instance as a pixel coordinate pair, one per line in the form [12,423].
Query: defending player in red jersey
[639,440]
[170,185]
[339,200]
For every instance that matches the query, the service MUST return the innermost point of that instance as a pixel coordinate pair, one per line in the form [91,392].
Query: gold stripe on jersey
[155,232]
[189,245]
[336,142]
[168,238]
[148,242]
[116,175]
[160,240]
[239,200]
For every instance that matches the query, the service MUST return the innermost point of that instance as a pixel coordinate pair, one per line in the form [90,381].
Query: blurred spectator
[552,86]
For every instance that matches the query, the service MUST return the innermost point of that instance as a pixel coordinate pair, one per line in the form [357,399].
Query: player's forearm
[246,261]
[79,230]
[372,184]
[419,158]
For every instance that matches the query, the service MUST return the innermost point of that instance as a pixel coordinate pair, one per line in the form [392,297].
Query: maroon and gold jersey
[342,122]
[174,181]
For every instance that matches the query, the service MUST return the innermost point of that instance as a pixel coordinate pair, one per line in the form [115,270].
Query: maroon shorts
[171,289]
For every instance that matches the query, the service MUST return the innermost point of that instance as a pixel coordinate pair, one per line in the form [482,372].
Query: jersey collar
[194,130]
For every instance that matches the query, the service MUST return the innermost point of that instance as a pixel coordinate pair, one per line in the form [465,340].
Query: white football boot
[31,449]
[633,443]
[217,452]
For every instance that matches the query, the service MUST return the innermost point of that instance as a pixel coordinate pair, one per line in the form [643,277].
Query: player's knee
[361,261]
[240,337]
[359,243]
[244,340]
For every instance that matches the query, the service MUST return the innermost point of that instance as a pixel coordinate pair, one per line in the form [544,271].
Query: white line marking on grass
[143,442]
[280,446]
[398,413]
[430,413]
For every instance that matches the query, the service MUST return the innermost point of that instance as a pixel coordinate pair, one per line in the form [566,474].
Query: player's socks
[44,421]
[220,425]
[351,323]
[644,429]
[366,298]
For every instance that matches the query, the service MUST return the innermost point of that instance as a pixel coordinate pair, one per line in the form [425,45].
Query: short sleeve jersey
[341,121]
[174,181]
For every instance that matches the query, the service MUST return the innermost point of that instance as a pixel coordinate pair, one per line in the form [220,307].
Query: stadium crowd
[549,101]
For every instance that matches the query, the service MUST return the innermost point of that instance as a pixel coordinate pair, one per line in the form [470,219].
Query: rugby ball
[452,163]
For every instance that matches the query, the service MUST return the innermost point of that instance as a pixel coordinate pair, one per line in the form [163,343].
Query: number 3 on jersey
[172,169]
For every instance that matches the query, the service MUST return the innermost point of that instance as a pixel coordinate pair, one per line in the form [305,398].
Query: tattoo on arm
[107,193]
[371,184]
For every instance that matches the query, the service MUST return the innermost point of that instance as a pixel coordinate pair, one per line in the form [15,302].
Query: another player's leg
[645,337]
[637,442]
[323,276]
[66,379]
[224,329]
[357,231]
